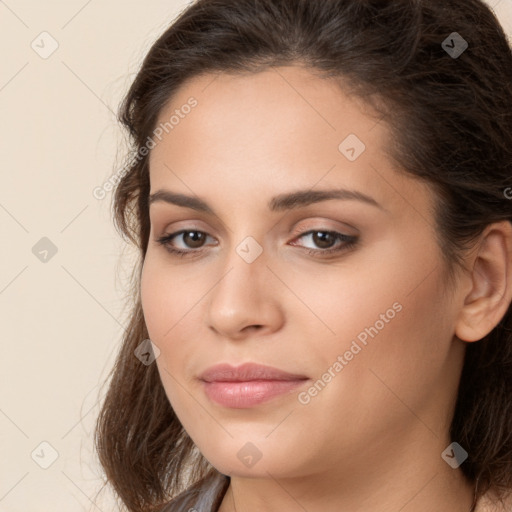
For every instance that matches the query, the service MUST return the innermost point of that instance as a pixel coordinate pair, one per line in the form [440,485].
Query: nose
[245,299]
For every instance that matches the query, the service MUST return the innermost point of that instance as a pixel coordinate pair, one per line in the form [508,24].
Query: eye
[326,239]
[192,238]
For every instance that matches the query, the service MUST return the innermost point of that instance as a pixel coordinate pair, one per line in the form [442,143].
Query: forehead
[282,128]
[282,105]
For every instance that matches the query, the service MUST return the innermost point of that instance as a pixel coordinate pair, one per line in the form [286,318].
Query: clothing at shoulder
[204,496]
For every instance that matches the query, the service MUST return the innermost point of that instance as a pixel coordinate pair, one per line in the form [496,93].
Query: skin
[372,438]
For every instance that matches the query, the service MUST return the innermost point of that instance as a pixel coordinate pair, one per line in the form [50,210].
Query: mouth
[240,395]
[248,385]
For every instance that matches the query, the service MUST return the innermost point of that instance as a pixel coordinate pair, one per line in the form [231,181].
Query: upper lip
[246,372]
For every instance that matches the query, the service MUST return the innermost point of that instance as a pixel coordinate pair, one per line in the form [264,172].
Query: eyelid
[187,223]
[322,224]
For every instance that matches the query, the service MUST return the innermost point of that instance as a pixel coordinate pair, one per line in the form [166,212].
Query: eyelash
[349,242]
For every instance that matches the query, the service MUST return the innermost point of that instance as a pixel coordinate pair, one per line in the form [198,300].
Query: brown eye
[191,242]
[193,239]
[323,239]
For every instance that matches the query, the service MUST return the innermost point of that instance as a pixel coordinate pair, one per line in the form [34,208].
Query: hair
[450,125]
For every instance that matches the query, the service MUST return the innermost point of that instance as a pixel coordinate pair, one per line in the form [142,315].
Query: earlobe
[491,292]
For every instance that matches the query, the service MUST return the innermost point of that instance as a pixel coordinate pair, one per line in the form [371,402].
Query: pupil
[321,238]
[196,238]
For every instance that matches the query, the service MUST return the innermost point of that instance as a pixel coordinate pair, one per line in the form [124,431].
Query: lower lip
[239,395]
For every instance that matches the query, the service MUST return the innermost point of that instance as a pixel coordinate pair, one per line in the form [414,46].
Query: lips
[248,385]
[247,372]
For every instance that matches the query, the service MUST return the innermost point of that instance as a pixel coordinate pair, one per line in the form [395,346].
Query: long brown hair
[450,117]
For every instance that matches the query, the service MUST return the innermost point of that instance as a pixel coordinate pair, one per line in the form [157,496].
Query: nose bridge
[244,249]
[243,296]
[246,270]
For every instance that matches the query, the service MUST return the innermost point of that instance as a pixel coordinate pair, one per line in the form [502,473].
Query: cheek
[166,298]
[395,352]
[387,318]
[342,304]
[153,306]
[390,366]
[161,314]
[169,304]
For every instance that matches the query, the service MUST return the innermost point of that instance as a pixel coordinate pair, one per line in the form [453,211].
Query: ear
[490,291]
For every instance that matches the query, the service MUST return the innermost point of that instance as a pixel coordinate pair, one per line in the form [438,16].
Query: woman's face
[369,325]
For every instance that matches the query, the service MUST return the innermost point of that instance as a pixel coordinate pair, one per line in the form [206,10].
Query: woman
[321,195]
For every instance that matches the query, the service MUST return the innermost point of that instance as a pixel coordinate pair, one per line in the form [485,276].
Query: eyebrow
[281,202]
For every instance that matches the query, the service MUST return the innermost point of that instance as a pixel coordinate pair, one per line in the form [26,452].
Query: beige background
[62,318]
